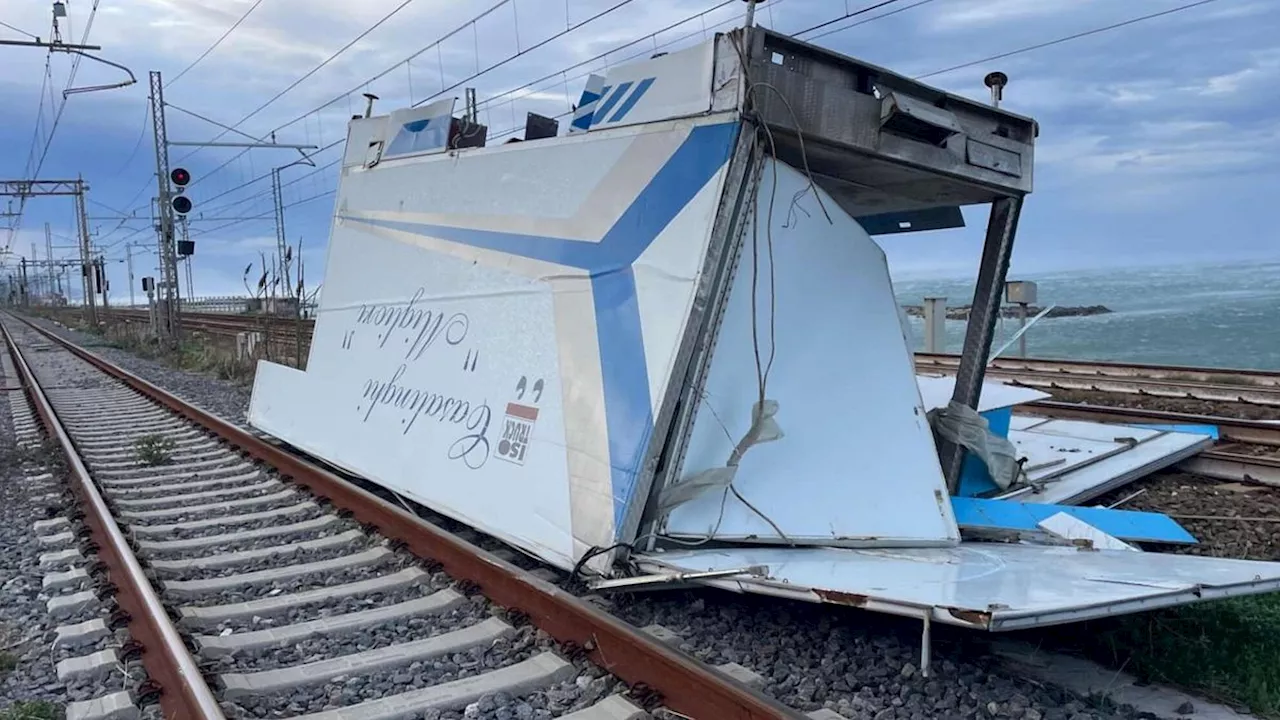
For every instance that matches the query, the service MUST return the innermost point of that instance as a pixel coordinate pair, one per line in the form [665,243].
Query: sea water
[1225,316]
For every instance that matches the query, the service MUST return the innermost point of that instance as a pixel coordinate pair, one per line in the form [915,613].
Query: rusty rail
[1251,432]
[687,686]
[1111,370]
[166,658]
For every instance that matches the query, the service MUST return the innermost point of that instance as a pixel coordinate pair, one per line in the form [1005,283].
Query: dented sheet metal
[985,586]
[855,464]
[1006,516]
[1071,461]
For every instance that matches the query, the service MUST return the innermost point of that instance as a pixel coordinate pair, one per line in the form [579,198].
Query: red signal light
[180,176]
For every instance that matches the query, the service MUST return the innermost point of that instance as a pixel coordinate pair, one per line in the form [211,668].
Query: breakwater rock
[961,312]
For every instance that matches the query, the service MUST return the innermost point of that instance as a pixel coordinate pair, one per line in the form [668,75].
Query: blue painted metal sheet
[1210,430]
[975,479]
[1129,525]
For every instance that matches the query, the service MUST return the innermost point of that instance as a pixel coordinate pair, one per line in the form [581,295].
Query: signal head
[180,177]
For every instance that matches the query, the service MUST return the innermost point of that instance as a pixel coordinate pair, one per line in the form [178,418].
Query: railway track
[1172,382]
[1247,450]
[258,585]
[1252,387]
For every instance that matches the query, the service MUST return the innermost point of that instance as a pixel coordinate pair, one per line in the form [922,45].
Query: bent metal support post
[686,685]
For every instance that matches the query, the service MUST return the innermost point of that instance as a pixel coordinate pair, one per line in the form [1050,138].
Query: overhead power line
[489,101]
[215,44]
[571,28]
[846,16]
[312,71]
[16,224]
[864,21]
[19,30]
[1067,38]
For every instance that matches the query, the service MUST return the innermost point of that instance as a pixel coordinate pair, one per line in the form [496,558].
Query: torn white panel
[935,392]
[987,586]
[1073,461]
[1074,530]
[856,463]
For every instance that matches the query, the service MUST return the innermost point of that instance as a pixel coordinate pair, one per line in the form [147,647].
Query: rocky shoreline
[961,312]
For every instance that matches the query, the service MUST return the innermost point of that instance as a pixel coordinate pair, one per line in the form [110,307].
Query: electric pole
[90,301]
[128,256]
[35,271]
[282,245]
[48,253]
[170,316]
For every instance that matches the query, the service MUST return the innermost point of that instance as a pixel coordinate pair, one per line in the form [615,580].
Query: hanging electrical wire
[490,101]
[873,18]
[19,30]
[215,44]
[846,16]
[1067,38]
[618,5]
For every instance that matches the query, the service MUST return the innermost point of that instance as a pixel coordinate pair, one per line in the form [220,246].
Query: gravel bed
[382,635]
[337,528]
[121,677]
[225,483]
[175,500]
[142,470]
[26,630]
[298,557]
[394,562]
[228,400]
[114,640]
[861,665]
[344,691]
[1180,494]
[218,512]
[183,533]
[335,606]
[1183,405]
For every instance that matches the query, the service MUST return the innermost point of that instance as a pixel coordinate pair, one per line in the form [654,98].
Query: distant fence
[241,305]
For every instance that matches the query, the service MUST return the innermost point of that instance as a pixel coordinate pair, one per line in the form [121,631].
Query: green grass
[1227,650]
[153,449]
[32,710]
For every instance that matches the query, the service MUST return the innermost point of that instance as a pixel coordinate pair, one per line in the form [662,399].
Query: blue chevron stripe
[628,408]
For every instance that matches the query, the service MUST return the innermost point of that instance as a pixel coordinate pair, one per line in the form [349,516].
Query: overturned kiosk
[663,347]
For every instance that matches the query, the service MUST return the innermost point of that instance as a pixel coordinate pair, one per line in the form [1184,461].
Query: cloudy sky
[1160,140]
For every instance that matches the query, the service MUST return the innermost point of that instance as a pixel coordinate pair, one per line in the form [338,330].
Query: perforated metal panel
[882,143]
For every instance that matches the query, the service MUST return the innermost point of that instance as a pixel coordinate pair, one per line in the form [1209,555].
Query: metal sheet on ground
[989,586]
[856,465]
[1074,464]
[935,392]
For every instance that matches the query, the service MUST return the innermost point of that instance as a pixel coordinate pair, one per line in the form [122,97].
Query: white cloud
[968,14]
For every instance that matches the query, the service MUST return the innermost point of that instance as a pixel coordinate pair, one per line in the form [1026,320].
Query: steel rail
[1251,394]
[686,685]
[1249,432]
[1223,465]
[1262,378]
[184,693]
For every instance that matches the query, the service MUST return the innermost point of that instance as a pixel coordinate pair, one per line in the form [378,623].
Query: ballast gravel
[26,630]
[386,566]
[324,647]
[223,398]
[283,560]
[330,607]
[863,666]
